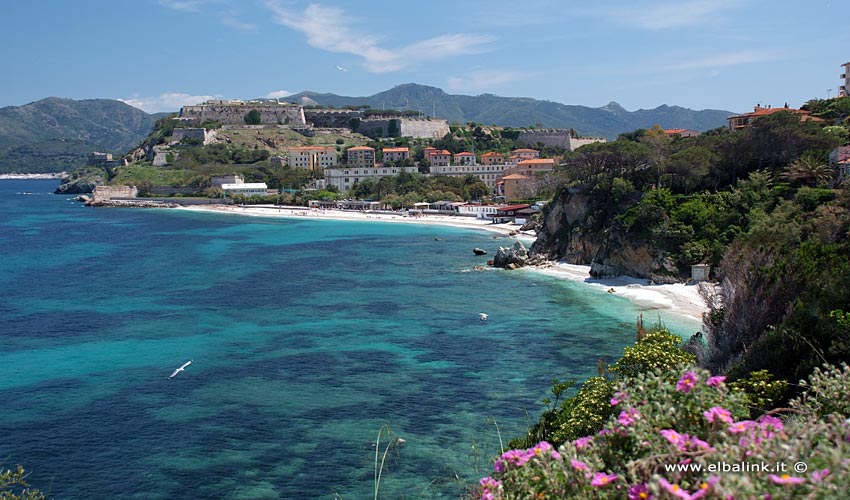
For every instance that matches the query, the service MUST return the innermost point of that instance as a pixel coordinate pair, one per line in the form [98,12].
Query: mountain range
[608,121]
[56,134]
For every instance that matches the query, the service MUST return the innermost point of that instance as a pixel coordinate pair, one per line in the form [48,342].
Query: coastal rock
[568,232]
[479,251]
[513,257]
[619,256]
[82,185]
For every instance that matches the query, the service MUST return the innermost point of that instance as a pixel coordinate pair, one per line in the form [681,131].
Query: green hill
[55,134]
[488,109]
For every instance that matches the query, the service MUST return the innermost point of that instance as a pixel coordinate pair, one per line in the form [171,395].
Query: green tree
[13,486]
[808,171]
[253,117]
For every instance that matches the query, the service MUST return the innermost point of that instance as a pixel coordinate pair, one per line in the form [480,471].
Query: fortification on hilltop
[558,137]
[234,112]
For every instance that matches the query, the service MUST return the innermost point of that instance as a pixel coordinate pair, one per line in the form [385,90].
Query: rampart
[104,193]
[408,127]
[331,118]
[199,135]
[555,137]
[235,112]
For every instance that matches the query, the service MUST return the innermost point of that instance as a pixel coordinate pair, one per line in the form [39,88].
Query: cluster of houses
[505,175]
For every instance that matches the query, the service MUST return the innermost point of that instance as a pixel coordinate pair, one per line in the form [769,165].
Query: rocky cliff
[578,230]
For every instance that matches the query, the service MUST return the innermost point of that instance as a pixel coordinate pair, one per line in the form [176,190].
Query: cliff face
[567,233]
[576,230]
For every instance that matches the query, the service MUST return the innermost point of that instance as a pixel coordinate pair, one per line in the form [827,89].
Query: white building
[345,178]
[246,189]
[487,173]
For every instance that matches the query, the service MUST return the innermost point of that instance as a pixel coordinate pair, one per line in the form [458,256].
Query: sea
[330,359]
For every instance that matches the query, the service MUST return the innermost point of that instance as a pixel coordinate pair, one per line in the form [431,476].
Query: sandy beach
[399,218]
[680,299]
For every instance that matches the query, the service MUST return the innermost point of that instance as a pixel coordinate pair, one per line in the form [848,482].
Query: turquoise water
[306,338]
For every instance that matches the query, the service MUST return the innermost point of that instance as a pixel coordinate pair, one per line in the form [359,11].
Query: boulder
[517,255]
[479,251]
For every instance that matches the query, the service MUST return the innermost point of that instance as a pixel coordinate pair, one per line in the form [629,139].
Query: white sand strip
[678,298]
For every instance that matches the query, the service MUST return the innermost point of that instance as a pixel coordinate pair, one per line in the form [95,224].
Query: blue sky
[161,54]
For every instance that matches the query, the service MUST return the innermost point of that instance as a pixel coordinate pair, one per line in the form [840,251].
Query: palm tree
[808,171]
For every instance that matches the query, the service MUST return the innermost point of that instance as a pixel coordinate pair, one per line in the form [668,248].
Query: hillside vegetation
[54,134]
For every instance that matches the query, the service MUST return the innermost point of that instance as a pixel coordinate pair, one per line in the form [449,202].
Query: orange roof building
[743,121]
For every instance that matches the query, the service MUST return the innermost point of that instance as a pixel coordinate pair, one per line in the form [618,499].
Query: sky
[158,55]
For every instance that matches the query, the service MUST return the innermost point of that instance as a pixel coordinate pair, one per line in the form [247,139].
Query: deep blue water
[307,337]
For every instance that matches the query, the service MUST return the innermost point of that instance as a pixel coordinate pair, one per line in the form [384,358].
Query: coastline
[46,176]
[679,298]
[508,229]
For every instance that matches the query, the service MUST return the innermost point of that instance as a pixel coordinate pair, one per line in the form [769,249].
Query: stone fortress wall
[557,137]
[233,112]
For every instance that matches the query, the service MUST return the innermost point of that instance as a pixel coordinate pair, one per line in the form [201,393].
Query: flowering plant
[688,436]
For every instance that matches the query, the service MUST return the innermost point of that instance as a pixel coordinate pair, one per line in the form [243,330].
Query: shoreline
[508,229]
[680,299]
[44,176]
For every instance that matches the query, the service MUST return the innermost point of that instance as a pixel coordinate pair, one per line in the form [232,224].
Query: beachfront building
[514,186]
[526,153]
[313,158]
[465,158]
[844,89]
[489,174]
[396,154]
[345,177]
[246,189]
[479,211]
[361,157]
[739,122]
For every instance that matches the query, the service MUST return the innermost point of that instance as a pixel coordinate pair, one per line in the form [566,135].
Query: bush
[688,436]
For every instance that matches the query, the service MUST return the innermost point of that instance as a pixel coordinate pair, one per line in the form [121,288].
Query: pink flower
[674,437]
[488,487]
[674,489]
[602,479]
[715,381]
[786,479]
[819,475]
[578,465]
[582,442]
[699,443]
[742,426]
[615,401]
[718,413]
[769,422]
[687,382]
[639,492]
[627,417]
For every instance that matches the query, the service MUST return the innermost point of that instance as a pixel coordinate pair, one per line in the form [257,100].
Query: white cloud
[671,15]
[479,81]
[183,5]
[277,94]
[724,60]
[329,28]
[169,101]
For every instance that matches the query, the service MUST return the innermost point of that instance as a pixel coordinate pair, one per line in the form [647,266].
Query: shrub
[688,436]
